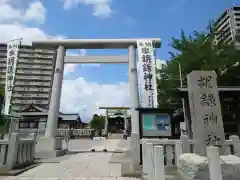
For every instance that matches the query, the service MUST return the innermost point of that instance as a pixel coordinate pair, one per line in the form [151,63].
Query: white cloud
[71,68]
[8,12]
[34,12]
[80,96]
[17,30]
[101,8]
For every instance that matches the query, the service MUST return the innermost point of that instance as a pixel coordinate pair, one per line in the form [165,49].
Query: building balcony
[34,72]
[26,83]
[41,78]
[36,56]
[3,59]
[3,71]
[32,89]
[34,61]
[42,51]
[3,65]
[17,101]
[26,66]
[30,95]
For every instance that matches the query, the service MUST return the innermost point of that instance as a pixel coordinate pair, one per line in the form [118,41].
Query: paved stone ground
[84,145]
[81,166]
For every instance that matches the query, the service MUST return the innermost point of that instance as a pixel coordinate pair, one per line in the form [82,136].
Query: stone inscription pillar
[207,124]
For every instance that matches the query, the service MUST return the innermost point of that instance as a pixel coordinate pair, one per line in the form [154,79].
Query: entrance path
[81,166]
[84,145]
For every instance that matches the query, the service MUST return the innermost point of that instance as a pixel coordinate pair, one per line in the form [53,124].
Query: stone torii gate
[63,45]
[125,109]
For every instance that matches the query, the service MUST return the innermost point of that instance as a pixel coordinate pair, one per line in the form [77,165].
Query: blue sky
[85,87]
[132,18]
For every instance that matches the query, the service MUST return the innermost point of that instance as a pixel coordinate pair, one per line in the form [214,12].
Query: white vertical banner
[12,57]
[147,67]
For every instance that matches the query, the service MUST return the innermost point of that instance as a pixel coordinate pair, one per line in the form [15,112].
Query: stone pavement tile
[95,173]
[24,178]
[8,177]
[3,177]
[53,178]
[134,178]
[16,178]
[39,178]
[66,178]
[112,144]
[74,172]
[48,170]
[95,178]
[109,178]
[80,178]
[123,178]
[115,170]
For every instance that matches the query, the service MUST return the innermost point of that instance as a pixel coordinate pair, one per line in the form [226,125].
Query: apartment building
[160,65]
[33,80]
[228,25]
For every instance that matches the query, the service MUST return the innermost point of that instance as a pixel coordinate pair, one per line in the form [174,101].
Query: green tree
[97,122]
[197,51]
[3,120]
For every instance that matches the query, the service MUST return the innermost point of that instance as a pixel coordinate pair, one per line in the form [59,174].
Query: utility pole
[186,120]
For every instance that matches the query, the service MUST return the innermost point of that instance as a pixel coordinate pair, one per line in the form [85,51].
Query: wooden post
[214,163]
[159,171]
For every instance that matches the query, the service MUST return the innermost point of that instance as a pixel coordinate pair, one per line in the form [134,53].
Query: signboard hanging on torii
[147,73]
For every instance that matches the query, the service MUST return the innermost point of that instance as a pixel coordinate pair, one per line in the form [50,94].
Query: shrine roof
[33,108]
[37,110]
[70,117]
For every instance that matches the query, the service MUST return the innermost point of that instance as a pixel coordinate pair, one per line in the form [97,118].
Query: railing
[169,148]
[24,133]
[16,152]
[158,154]
[74,132]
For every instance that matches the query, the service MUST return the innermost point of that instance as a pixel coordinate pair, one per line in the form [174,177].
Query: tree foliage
[97,122]
[197,51]
[4,121]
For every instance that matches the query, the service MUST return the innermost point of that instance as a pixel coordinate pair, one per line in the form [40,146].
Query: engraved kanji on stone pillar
[207,124]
